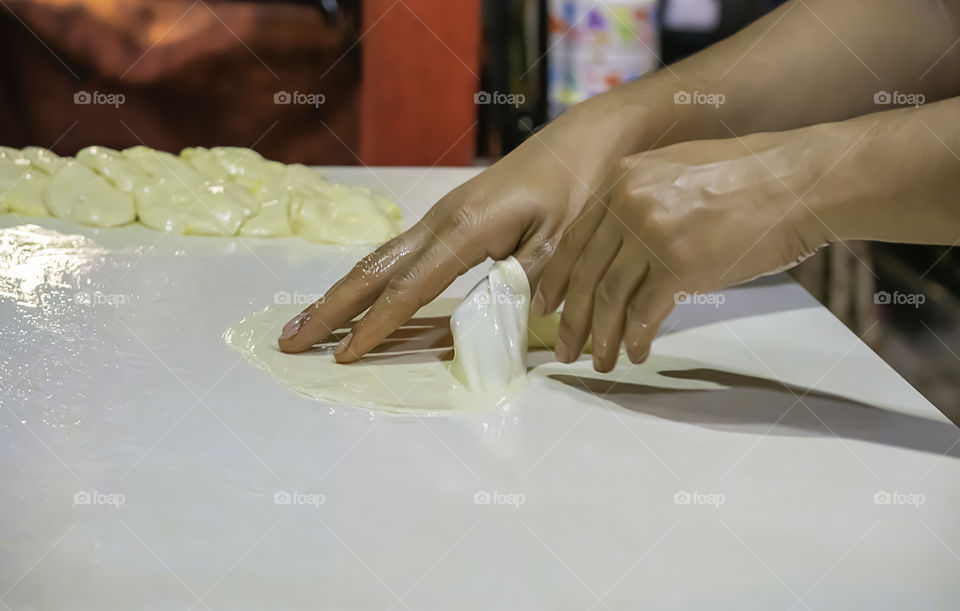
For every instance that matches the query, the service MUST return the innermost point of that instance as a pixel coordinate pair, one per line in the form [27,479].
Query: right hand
[520,206]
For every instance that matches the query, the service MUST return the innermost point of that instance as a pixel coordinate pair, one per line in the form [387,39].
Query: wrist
[792,167]
[594,135]
[830,195]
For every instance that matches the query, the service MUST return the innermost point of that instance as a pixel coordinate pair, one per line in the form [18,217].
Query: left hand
[691,217]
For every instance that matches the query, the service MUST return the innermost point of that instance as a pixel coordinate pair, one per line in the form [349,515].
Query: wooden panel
[420,73]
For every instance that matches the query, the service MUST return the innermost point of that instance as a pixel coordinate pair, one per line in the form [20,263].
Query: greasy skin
[519,206]
[680,219]
[614,210]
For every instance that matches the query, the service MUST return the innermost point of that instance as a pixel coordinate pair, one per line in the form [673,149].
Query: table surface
[764,458]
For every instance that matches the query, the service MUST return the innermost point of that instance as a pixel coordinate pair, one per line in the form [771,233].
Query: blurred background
[414,82]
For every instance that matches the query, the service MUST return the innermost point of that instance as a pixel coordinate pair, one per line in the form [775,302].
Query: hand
[692,217]
[518,206]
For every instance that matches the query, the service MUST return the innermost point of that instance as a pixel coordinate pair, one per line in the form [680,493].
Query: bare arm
[808,62]
[699,216]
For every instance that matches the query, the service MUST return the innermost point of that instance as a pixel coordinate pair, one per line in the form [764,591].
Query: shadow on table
[758,405]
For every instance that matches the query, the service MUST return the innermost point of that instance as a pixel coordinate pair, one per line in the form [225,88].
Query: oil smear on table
[449,358]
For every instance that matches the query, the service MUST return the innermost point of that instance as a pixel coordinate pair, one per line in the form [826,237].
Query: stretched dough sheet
[408,373]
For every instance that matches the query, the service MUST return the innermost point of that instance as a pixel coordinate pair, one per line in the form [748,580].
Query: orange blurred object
[282,78]
[421,71]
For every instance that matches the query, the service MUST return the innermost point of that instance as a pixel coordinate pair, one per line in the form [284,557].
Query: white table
[764,489]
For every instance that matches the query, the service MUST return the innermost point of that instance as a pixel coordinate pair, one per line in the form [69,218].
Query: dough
[244,166]
[219,191]
[122,173]
[43,160]
[9,173]
[407,373]
[78,194]
[273,220]
[337,214]
[490,331]
[415,370]
[21,184]
[181,199]
[265,180]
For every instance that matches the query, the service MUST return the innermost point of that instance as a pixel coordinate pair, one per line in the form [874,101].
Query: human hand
[519,207]
[688,218]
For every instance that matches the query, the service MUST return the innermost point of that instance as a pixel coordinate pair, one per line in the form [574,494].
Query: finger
[534,254]
[647,310]
[444,258]
[613,294]
[553,282]
[354,292]
[578,306]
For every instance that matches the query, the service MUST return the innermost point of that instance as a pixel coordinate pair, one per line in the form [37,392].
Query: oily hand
[518,207]
[683,219]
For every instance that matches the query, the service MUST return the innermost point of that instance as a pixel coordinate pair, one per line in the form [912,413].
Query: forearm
[805,63]
[891,176]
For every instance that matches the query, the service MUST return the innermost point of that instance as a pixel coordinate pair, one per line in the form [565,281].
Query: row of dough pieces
[219,191]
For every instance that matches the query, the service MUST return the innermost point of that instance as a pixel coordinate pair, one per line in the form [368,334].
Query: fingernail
[291,328]
[639,356]
[344,344]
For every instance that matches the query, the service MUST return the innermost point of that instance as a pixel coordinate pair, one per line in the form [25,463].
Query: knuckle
[403,282]
[366,266]
[609,292]
[377,261]
[462,221]
[405,291]
[653,219]
[578,278]
[634,313]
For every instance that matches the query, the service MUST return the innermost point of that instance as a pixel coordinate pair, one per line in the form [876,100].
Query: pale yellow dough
[22,183]
[78,194]
[182,200]
[122,173]
[338,214]
[265,180]
[219,191]
[43,160]
[410,372]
